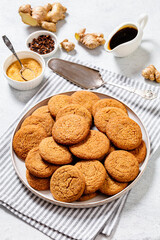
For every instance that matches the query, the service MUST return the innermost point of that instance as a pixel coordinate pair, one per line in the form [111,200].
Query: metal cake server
[89,78]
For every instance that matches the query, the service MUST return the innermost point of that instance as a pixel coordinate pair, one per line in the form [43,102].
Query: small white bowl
[36,35]
[27,85]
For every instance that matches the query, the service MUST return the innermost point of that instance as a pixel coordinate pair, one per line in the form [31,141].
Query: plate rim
[84,204]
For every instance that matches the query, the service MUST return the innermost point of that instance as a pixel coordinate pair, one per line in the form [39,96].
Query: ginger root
[151,73]
[68,46]
[90,40]
[45,16]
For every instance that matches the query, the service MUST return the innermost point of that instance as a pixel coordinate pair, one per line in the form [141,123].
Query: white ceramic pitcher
[127,48]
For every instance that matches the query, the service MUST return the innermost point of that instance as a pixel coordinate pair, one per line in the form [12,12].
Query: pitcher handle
[142,21]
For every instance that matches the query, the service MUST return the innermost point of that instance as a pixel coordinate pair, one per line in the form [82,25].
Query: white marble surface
[140,219]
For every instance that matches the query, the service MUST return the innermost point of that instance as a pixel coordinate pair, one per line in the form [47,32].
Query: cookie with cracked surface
[53,152]
[94,146]
[44,110]
[140,152]
[39,184]
[106,102]
[94,174]
[86,197]
[44,121]
[36,166]
[111,187]
[67,184]
[124,133]
[57,102]
[70,129]
[85,98]
[122,166]
[27,138]
[75,109]
[104,115]
[41,110]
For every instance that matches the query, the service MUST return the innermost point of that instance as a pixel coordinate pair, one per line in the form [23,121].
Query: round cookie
[67,184]
[140,152]
[41,110]
[106,102]
[57,102]
[122,166]
[85,98]
[86,197]
[124,133]
[54,153]
[75,109]
[44,121]
[104,115]
[39,184]
[94,174]
[44,110]
[70,129]
[95,146]
[111,187]
[27,138]
[36,166]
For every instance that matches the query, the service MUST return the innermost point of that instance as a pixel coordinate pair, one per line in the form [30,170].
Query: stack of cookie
[64,153]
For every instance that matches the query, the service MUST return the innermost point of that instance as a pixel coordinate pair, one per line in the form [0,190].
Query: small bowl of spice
[31,60]
[42,42]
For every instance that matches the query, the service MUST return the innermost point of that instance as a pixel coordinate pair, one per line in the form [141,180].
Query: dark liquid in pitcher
[123,35]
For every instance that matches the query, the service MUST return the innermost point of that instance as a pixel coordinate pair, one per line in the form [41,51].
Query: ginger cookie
[70,129]
[39,184]
[75,109]
[57,102]
[27,138]
[94,146]
[41,110]
[94,174]
[140,152]
[85,98]
[124,133]
[103,115]
[53,152]
[44,121]
[36,166]
[122,166]
[106,102]
[67,184]
[111,187]
[86,197]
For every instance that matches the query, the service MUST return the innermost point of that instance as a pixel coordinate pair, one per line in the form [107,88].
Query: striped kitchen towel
[66,223]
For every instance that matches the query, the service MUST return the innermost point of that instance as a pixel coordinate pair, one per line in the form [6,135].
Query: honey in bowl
[125,34]
[13,70]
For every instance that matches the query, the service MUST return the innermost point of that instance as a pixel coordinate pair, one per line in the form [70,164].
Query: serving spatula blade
[78,74]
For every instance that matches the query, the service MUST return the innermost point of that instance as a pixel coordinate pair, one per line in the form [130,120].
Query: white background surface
[140,219]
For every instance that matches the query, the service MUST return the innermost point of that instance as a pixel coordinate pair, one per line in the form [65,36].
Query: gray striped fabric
[65,223]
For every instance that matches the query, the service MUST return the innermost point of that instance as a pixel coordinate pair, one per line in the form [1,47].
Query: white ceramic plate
[20,169]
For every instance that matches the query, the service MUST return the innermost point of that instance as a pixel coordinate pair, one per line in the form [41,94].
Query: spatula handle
[148,94]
